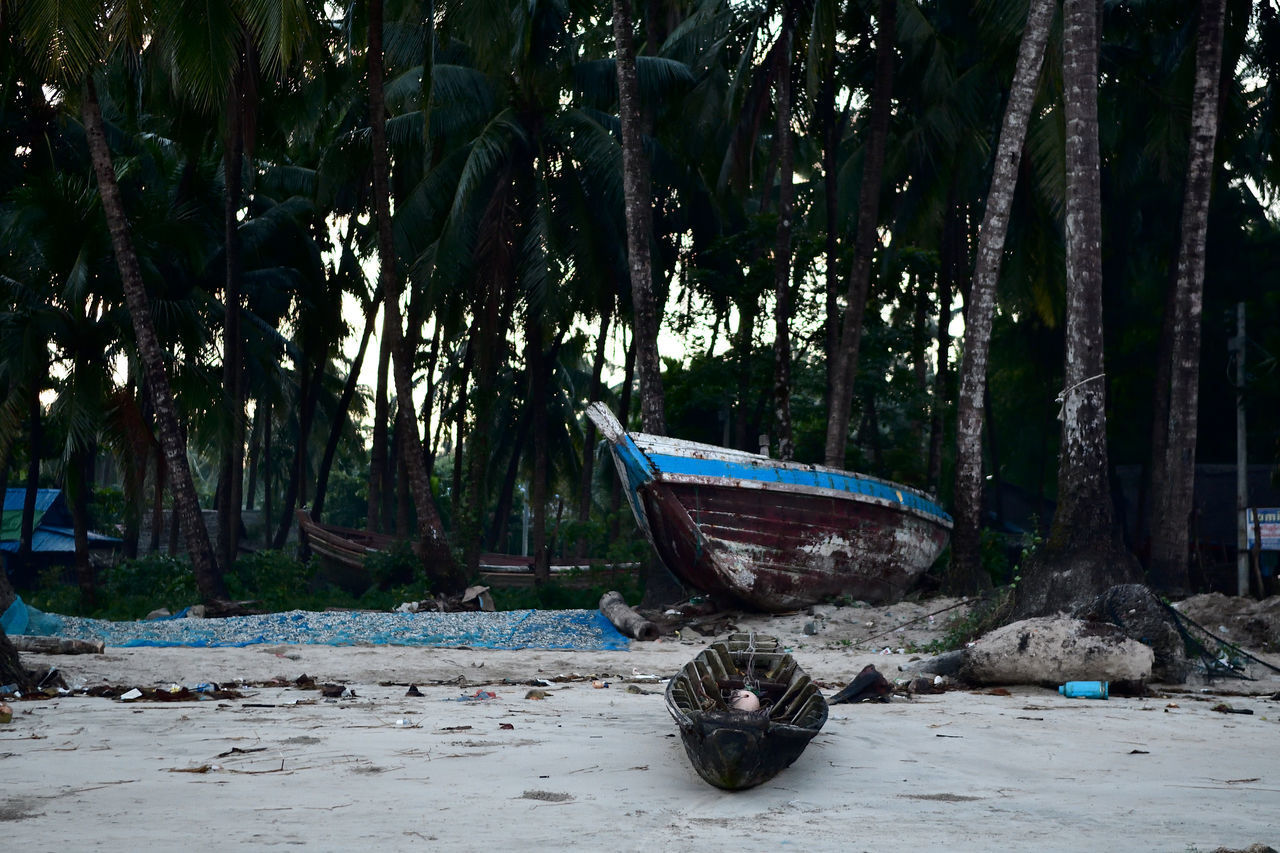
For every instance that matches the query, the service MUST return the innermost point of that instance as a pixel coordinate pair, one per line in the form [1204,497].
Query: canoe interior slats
[734,749]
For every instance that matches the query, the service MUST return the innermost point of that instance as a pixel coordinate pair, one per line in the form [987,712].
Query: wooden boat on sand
[346,549]
[773,535]
[733,748]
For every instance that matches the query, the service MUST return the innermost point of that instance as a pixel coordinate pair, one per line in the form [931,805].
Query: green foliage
[346,502]
[398,568]
[54,593]
[993,551]
[272,580]
[133,588]
[107,507]
[979,619]
[594,539]
[555,595]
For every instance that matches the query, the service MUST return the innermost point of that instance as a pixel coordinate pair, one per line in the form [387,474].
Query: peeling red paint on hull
[774,551]
[773,535]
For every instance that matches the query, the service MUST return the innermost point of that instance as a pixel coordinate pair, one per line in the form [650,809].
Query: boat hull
[782,551]
[734,749]
[772,535]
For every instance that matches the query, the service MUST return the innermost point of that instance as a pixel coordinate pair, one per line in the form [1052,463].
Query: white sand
[603,769]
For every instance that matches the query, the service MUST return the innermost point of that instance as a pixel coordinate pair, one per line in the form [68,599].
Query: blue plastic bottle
[1084,689]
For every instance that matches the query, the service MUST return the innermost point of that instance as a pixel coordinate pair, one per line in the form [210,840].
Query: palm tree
[70,50]
[1174,473]
[635,172]
[845,364]
[432,542]
[782,247]
[1083,555]
[966,573]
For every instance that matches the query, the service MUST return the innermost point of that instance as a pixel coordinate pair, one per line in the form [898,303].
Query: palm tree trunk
[506,492]
[34,442]
[309,391]
[339,419]
[538,488]
[1172,503]
[782,251]
[1083,555]
[846,363]
[831,201]
[636,191]
[441,567]
[78,486]
[204,564]
[954,259]
[157,504]
[624,416]
[232,476]
[745,345]
[135,455]
[267,504]
[966,572]
[378,451]
[255,458]
[456,497]
[589,435]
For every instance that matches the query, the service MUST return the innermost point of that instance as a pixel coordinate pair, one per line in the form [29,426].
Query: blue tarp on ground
[584,630]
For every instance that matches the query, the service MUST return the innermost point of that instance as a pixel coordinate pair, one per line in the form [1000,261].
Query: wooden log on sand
[56,645]
[625,619]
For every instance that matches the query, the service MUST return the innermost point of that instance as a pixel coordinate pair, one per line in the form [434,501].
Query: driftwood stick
[56,645]
[626,620]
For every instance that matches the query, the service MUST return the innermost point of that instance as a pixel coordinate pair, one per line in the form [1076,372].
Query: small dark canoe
[735,749]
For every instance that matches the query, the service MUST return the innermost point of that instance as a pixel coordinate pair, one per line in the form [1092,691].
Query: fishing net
[583,630]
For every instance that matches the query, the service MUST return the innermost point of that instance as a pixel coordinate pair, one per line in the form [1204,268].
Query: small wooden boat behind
[735,749]
[773,535]
[346,548]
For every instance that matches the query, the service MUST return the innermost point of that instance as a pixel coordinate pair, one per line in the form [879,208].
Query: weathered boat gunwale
[666,454]
[810,491]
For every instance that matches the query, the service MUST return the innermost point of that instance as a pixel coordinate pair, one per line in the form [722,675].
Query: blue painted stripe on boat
[638,466]
[638,470]
[700,467]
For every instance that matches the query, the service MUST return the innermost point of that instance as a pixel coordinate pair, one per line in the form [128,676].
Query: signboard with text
[1264,522]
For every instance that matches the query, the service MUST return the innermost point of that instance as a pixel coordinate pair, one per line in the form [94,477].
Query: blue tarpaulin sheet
[586,630]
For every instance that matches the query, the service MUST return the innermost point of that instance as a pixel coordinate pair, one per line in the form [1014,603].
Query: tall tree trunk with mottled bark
[954,260]
[338,421]
[845,365]
[231,479]
[379,451]
[589,434]
[204,564]
[27,526]
[831,200]
[639,217]
[79,483]
[538,487]
[966,573]
[442,569]
[1083,554]
[782,250]
[1175,473]
[295,489]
